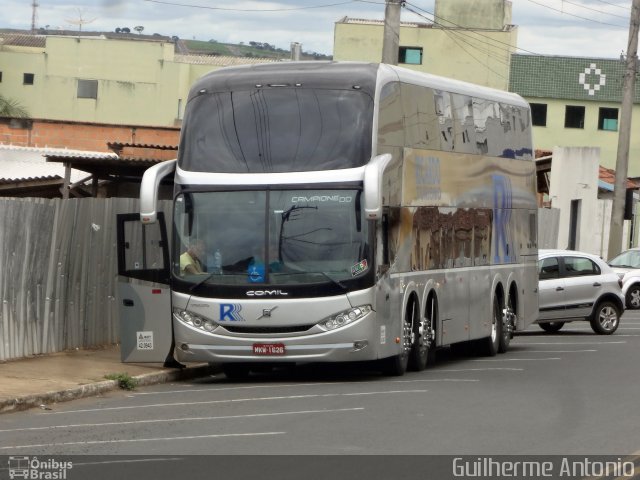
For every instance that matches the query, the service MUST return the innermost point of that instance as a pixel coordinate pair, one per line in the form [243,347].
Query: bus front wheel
[396,366]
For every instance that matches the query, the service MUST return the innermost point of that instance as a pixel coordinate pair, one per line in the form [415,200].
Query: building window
[608,119]
[27,78]
[574,117]
[410,55]
[0,77]
[87,88]
[539,114]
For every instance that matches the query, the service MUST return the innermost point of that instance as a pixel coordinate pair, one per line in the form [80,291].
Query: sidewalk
[59,377]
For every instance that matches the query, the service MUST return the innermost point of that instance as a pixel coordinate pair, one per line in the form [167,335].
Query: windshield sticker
[358,268]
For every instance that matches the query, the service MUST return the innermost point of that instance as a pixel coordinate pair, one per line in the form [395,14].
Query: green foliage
[125,381]
[12,108]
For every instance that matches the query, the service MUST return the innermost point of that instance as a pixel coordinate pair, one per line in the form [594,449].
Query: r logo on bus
[230,312]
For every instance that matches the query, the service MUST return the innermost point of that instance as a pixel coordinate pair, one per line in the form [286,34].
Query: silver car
[627,266]
[578,286]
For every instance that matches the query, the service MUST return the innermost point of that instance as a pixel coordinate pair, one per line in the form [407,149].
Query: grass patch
[125,381]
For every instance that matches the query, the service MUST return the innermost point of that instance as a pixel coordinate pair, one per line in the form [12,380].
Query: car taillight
[620,282]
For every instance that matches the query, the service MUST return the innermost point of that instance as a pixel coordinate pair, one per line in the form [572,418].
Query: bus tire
[236,371]
[508,325]
[423,352]
[396,366]
[419,354]
[491,344]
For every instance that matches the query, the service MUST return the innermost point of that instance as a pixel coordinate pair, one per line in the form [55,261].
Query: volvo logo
[266,312]
[266,293]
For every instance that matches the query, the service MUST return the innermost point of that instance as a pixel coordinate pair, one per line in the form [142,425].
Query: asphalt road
[569,393]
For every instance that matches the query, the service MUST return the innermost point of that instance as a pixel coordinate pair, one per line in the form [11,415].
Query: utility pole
[34,15]
[626,110]
[391,40]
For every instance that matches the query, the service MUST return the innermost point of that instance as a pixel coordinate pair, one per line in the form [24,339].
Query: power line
[615,5]
[459,34]
[577,16]
[250,9]
[593,9]
[460,28]
[450,33]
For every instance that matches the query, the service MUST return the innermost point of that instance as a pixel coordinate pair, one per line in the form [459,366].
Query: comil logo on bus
[322,198]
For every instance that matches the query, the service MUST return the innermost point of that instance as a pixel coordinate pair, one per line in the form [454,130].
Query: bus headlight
[345,318]
[194,320]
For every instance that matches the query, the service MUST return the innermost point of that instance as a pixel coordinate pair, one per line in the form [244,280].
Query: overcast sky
[589,28]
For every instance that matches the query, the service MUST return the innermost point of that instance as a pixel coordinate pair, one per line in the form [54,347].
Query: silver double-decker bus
[340,212]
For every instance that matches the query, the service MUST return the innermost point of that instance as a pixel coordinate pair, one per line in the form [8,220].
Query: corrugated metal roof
[24,163]
[112,160]
[221,60]
[23,40]
[119,145]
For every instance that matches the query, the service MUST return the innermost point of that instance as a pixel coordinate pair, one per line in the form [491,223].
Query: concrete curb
[92,389]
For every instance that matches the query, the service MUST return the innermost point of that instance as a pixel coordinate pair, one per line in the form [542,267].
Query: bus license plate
[268,349]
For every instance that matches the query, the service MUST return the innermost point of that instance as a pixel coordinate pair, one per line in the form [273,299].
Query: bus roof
[330,74]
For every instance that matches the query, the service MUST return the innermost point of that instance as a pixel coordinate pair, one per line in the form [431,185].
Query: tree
[139,29]
[12,108]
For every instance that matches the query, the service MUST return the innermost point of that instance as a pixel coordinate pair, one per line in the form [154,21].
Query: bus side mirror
[373,174]
[149,189]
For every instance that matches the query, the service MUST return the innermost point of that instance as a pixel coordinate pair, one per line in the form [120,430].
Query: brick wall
[81,136]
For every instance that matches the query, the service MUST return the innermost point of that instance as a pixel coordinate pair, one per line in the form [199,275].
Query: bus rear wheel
[491,344]
[508,325]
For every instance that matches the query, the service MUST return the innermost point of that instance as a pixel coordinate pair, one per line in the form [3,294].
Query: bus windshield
[276,129]
[283,237]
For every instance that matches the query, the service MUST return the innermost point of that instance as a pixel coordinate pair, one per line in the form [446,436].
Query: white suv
[578,286]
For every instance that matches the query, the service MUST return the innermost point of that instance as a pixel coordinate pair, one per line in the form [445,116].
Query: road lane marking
[554,351]
[516,359]
[572,343]
[238,400]
[283,385]
[138,440]
[488,369]
[184,419]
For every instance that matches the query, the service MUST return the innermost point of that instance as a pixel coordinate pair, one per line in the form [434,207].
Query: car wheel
[606,318]
[551,327]
[633,297]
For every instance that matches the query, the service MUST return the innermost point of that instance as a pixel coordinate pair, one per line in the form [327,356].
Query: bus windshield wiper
[324,274]
[196,285]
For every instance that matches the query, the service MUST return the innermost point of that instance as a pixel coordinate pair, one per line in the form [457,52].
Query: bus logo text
[266,293]
[322,198]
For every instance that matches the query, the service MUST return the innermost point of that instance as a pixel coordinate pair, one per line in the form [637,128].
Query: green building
[575,102]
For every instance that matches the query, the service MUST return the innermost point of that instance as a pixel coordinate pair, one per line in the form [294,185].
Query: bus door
[144,296]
